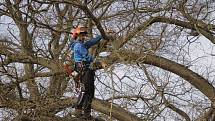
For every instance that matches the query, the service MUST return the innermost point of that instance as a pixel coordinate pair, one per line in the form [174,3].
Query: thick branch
[117,112]
[193,78]
[100,106]
[152,20]
[23,58]
[160,92]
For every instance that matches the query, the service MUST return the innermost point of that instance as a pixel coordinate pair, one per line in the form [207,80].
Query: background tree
[154,70]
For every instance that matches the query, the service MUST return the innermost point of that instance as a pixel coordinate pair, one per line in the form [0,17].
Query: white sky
[202,52]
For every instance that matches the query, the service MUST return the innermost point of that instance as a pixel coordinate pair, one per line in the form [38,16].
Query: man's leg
[87,105]
[79,105]
[89,92]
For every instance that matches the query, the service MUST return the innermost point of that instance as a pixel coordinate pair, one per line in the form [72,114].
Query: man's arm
[92,41]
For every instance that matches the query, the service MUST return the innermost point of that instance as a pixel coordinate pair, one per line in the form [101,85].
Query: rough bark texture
[37,47]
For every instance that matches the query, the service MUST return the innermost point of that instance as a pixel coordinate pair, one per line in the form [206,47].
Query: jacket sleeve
[92,41]
[81,53]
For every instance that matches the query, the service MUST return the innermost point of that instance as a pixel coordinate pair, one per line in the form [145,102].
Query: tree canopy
[158,68]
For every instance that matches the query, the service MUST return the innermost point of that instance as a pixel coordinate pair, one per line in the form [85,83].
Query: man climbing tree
[83,61]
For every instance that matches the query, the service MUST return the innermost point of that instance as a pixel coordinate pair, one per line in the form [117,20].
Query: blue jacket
[80,49]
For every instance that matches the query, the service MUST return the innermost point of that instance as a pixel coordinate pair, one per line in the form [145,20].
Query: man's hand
[99,65]
[104,64]
[109,31]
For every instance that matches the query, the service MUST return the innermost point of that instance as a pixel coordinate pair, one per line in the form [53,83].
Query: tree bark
[193,78]
[190,76]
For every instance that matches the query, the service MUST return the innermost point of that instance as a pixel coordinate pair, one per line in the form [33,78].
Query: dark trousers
[88,89]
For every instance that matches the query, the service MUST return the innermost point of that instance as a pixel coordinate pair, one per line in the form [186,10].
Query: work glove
[68,69]
[103,64]
[98,65]
[109,31]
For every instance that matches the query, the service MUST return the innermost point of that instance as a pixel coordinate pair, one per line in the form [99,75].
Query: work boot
[78,113]
[87,115]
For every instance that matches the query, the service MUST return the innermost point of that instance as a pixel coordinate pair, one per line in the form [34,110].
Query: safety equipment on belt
[81,95]
[74,74]
[69,70]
